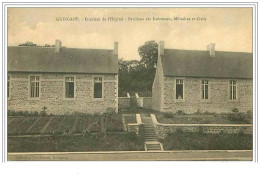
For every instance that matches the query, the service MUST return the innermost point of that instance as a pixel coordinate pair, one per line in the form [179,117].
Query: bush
[180,112]
[197,112]
[168,115]
[235,110]
[21,113]
[209,113]
[43,113]
[249,114]
[236,117]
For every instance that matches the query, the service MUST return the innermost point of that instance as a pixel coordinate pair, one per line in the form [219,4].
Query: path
[150,139]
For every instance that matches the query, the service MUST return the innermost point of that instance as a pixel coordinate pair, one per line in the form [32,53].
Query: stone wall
[135,127]
[147,102]
[139,100]
[124,102]
[52,94]
[157,89]
[218,101]
[162,130]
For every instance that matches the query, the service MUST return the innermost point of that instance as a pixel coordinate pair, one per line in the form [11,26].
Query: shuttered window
[69,87]
[34,86]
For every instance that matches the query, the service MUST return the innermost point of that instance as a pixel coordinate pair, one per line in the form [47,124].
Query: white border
[134,174]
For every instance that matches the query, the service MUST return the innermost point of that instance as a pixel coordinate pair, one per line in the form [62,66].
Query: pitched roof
[69,60]
[199,64]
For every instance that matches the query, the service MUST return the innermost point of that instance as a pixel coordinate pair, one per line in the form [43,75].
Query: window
[69,87]
[205,89]
[179,89]
[8,85]
[233,90]
[34,86]
[98,87]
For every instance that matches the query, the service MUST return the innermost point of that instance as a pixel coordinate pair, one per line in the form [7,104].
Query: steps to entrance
[151,142]
[153,146]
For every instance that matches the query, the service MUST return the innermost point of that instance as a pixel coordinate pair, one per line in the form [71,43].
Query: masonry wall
[163,130]
[218,101]
[52,94]
[157,89]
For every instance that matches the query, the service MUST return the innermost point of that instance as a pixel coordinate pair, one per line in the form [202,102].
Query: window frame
[230,90]
[29,86]
[102,98]
[64,87]
[183,89]
[202,88]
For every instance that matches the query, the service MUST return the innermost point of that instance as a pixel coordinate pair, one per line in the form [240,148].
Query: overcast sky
[229,28]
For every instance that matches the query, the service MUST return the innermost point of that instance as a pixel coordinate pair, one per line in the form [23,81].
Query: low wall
[135,127]
[162,130]
[139,100]
[124,102]
[144,102]
[147,102]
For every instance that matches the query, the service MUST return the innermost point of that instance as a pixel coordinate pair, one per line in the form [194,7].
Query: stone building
[212,81]
[62,80]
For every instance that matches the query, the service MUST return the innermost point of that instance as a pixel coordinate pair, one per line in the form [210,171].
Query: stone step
[150,140]
[153,147]
[150,136]
[150,133]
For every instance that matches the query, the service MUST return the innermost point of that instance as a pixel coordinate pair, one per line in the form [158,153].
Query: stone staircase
[150,139]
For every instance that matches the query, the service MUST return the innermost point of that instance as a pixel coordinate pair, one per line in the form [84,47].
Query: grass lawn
[197,141]
[90,142]
[200,119]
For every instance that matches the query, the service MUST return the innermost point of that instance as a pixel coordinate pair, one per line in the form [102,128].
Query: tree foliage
[149,53]
[138,76]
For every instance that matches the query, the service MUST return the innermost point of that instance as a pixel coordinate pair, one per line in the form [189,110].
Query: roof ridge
[207,51]
[61,47]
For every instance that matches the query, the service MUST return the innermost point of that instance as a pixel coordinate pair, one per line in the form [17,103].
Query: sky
[229,28]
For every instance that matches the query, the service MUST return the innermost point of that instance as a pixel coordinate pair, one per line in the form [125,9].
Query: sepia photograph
[130,84]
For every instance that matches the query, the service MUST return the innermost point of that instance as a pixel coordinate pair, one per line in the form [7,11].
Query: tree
[149,53]
[138,76]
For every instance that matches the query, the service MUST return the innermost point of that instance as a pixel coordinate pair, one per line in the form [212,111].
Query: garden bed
[89,142]
[198,141]
[31,125]
[168,118]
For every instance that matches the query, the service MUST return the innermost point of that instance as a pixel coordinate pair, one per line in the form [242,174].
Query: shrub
[235,110]
[209,113]
[168,115]
[236,117]
[249,114]
[180,112]
[43,113]
[197,112]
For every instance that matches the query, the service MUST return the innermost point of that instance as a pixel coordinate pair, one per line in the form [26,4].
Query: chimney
[57,46]
[211,49]
[161,48]
[115,48]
